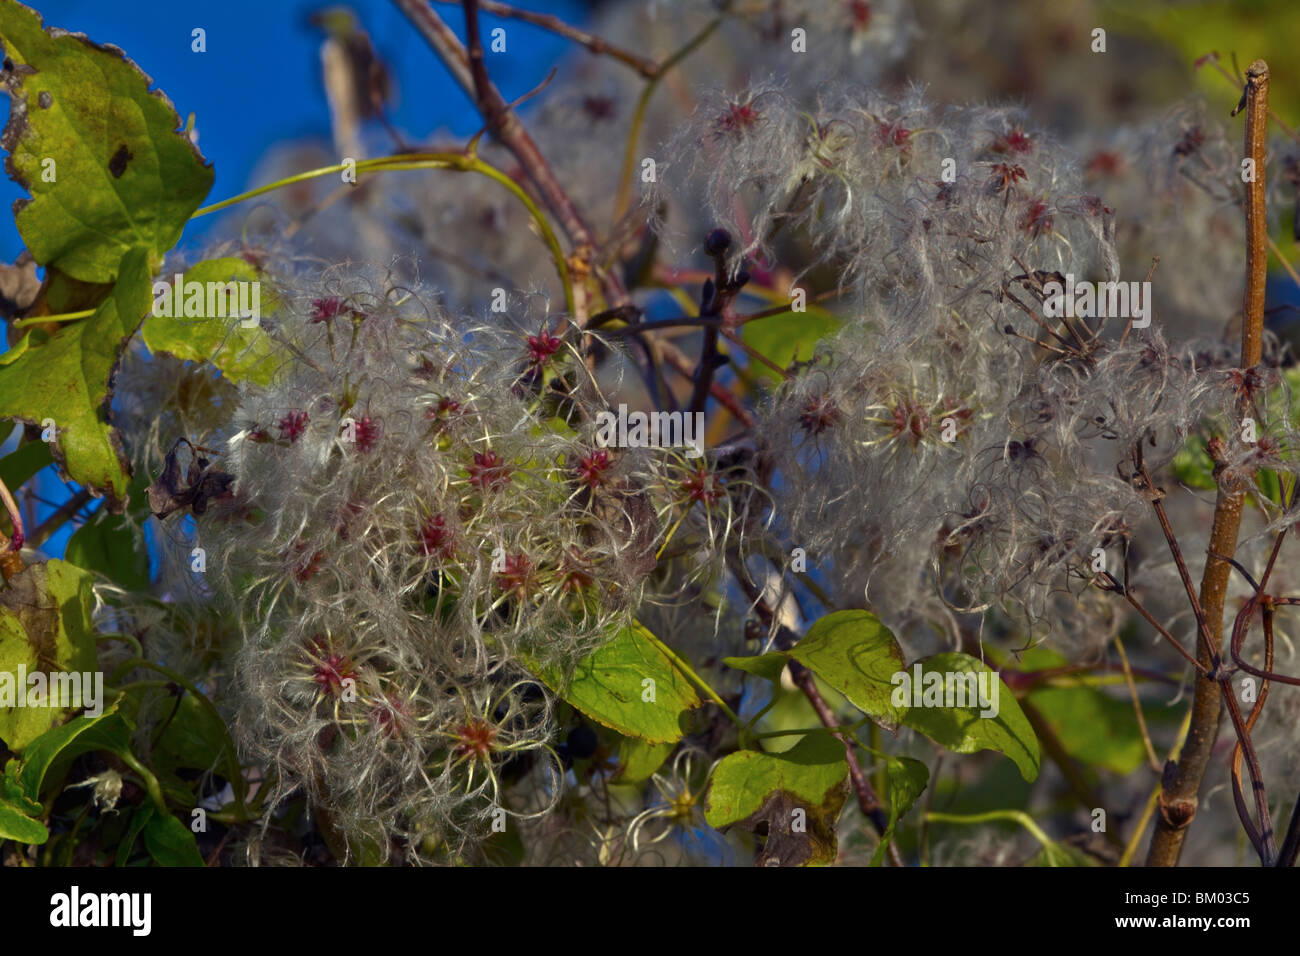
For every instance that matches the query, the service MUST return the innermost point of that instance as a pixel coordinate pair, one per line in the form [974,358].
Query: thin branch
[1178,798]
[723,395]
[623,198]
[15,518]
[1265,846]
[868,802]
[1262,838]
[1153,760]
[596,44]
[1207,640]
[492,107]
[715,302]
[1128,595]
[1241,626]
[654,325]
[510,132]
[56,521]
[1074,776]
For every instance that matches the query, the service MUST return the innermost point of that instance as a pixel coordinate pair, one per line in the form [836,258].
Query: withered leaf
[202,483]
[796,838]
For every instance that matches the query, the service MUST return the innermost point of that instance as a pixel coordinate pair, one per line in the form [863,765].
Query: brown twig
[1263,842]
[56,520]
[1203,628]
[723,395]
[868,802]
[1129,596]
[1178,797]
[596,44]
[469,71]
[715,302]
[1152,760]
[15,518]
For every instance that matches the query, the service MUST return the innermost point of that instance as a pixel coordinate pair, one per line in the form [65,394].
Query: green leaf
[786,337]
[638,760]
[766,666]
[80,735]
[610,686]
[242,354]
[960,728]
[858,656]
[906,780]
[170,842]
[193,738]
[45,628]
[17,467]
[790,710]
[1093,727]
[19,813]
[1096,728]
[106,544]
[742,780]
[66,379]
[18,725]
[1192,466]
[139,818]
[1061,854]
[11,788]
[1266,480]
[16,350]
[124,177]
[798,794]
[16,825]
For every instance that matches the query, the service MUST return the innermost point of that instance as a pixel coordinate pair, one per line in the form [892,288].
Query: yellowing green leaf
[100,153]
[629,685]
[742,780]
[786,337]
[637,760]
[798,794]
[45,628]
[221,339]
[957,724]
[858,656]
[16,825]
[906,780]
[66,379]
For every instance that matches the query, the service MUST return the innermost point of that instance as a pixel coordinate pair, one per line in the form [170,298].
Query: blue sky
[259,81]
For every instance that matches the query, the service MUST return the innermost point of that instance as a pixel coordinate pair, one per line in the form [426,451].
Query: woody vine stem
[1178,798]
